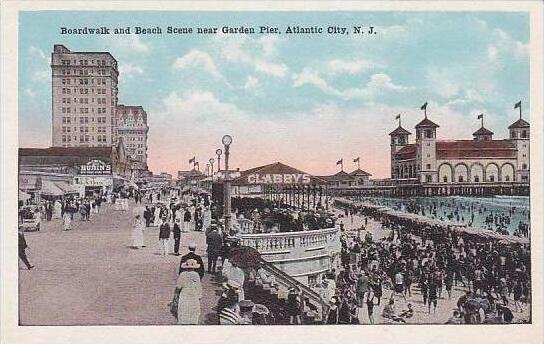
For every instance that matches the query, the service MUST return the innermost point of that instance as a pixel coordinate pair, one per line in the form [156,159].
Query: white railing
[274,242]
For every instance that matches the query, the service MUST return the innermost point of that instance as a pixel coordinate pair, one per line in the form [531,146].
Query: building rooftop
[359,172]
[66,156]
[276,168]
[470,149]
[482,131]
[61,49]
[400,131]
[427,123]
[407,152]
[520,123]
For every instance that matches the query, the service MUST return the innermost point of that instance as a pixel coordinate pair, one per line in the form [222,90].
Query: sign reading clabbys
[277,178]
[95,168]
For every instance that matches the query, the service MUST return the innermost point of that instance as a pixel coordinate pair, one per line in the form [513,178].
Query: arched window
[524,166]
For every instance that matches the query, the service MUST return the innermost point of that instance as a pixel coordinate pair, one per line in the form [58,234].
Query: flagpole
[519,110]
[482,120]
[400,119]
[359,163]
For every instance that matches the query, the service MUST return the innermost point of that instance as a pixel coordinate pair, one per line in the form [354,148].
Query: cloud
[269,44]
[379,82]
[259,54]
[42,63]
[339,66]
[37,52]
[251,83]
[198,59]
[201,118]
[126,43]
[273,69]
[129,70]
[505,44]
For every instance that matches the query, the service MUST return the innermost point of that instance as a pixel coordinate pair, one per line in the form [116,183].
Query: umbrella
[245,257]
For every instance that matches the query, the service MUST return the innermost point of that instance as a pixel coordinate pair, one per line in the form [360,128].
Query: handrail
[289,234]
[292,282]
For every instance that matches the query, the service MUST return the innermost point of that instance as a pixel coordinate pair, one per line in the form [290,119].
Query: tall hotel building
[84,98]
[131,126]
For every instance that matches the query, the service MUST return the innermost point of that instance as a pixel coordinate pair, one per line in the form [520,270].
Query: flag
[339,162]
[518,105]
[480,116]
[424,106]
[192,161]
[356,160]
[398,116]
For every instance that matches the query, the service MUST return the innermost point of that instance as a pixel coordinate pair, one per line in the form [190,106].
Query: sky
[304,100]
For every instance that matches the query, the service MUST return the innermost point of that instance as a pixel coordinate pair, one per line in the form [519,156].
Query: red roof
[276,168]
[407,152]
[471,149]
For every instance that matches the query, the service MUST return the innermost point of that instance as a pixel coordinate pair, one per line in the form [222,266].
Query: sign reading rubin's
[277,178]
[95,167]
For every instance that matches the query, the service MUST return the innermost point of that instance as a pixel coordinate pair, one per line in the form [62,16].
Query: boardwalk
[89,276]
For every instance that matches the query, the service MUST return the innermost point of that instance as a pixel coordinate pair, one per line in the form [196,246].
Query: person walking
[138,232]
[177,235]
[164,235]
[294,306]
[215,244]
[22,250]
[186,220]
[190,293]
[67,218]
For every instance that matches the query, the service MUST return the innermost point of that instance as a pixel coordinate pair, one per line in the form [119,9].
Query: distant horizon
[303,100]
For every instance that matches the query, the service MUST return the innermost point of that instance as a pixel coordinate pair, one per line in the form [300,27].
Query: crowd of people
[271,217]
[499,215]
[430,260]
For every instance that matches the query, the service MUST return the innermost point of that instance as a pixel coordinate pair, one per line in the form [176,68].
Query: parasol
[245,257]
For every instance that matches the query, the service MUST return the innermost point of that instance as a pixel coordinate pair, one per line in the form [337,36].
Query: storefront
[94,177]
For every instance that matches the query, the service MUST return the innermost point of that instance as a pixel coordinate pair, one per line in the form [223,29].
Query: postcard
[361,167]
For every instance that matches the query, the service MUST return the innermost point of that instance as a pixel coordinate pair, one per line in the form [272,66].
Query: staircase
[272,292]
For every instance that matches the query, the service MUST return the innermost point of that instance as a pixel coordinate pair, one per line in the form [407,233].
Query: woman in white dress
[138,232]
[190,293]
[67,221]
[157,218]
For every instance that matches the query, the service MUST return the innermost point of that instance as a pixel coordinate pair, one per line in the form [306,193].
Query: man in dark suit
[192,255]
[177,236]
[215,243]
[22,249]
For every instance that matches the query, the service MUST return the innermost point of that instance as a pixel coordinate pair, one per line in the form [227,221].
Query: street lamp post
[211,164]
[227,140]
[218,152]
